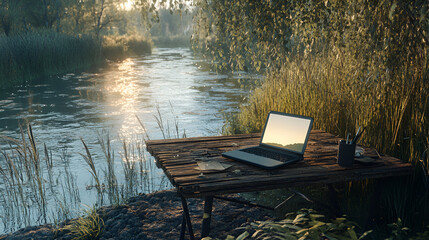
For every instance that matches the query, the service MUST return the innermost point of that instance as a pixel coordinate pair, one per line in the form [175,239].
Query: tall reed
[28,56]
[342,91]
[25,198]
[120,47]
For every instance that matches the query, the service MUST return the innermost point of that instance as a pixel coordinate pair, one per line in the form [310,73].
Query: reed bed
[120,47]
[137,174]
[343,91]
[28,182]
[37,188]
[28,56]
[172,41]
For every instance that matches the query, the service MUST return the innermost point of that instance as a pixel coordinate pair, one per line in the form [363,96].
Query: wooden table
[178,158]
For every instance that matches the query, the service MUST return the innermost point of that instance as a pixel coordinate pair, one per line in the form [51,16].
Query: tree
[76,11]
[44,13]
[9,15]
[260,34]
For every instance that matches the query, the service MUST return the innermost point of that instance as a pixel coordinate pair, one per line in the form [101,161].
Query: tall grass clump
[341,93]
[120,47]
[136,173]
[87,227]
[28,183]
[27,56]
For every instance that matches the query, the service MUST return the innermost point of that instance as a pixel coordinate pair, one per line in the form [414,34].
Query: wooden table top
[178,158]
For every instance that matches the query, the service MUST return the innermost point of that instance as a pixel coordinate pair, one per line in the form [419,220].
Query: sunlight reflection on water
[83,105]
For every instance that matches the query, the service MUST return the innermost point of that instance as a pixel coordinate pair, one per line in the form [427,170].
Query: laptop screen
[287,132]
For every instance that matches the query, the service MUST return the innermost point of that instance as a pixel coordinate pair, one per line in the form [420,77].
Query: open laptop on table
[283,141]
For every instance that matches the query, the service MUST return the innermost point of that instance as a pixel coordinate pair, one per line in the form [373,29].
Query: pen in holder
[346,153]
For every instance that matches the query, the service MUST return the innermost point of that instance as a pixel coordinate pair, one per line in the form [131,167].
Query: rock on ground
[156,216]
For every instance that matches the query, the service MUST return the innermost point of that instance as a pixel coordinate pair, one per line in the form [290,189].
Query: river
[171,88]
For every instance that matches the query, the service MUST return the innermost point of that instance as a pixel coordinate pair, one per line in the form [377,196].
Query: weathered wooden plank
[260,176]
[222,187]
[201,139]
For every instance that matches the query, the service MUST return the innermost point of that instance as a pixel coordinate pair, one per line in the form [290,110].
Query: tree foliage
[248,34]
[94,17]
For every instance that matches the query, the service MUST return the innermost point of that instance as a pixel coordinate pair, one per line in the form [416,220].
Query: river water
[170,88]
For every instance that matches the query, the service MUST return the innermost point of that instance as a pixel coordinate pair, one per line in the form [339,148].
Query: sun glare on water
[128,5]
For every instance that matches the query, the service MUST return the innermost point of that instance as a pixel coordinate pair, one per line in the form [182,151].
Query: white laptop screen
[287,132]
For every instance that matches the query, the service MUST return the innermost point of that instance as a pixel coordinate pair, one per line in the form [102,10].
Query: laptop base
[260,161]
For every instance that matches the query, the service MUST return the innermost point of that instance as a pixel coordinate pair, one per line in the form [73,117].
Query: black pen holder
[346,154]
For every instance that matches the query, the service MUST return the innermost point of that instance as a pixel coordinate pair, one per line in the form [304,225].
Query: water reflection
[122,96]
[63,109]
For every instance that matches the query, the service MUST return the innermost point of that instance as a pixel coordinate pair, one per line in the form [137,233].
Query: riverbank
[119,47]
[31,55]
[154,216]
[28,56]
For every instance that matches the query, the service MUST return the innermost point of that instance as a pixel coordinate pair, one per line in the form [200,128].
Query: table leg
[183,228]
[373,204]
[207,215]
[187,219]
[334,200]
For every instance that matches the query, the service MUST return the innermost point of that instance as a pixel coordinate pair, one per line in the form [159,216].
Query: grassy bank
[343,91]
[120,47]
[28,56]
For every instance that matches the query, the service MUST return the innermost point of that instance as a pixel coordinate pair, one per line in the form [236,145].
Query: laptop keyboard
[269,154]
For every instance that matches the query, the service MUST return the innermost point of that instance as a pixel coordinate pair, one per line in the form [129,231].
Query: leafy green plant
[399,231]
[422,235]
[304,224]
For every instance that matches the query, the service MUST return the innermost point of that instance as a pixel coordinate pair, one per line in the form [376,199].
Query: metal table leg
[333,196]
[186,220]
[207,215]
[183,228]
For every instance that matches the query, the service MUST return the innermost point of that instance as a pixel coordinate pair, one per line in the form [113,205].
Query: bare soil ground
[156,216]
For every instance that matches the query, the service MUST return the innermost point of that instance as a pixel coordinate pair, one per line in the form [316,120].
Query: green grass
[87,227]
[27,56]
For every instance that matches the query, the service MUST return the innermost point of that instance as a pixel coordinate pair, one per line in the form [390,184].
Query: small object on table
[212,166]
[359,151]
[365,160]
[346,154]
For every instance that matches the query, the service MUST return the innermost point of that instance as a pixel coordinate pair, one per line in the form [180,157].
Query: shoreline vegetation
[36,192]
[119,47]
[347,64]
[28,56]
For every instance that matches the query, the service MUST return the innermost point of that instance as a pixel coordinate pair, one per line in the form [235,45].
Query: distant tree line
[69,16]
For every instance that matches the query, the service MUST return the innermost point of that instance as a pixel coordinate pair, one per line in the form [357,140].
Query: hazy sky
[285,130]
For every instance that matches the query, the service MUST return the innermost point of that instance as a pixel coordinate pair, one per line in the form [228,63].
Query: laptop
[283,141]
